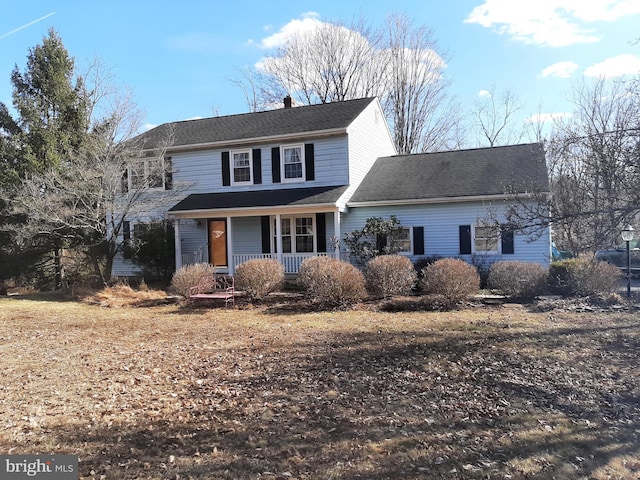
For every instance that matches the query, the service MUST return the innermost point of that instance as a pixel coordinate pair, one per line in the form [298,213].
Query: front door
[218,242]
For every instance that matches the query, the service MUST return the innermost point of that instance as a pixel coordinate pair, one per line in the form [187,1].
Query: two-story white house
[289,183]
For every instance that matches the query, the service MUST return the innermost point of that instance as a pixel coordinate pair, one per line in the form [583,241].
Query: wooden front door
[218,242]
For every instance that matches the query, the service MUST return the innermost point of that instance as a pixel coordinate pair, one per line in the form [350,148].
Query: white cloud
[560,70]
[620,65]
[555,23]
[484,93]
[309,21]
[148,126]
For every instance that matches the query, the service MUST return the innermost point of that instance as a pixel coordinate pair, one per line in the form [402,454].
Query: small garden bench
[219,287]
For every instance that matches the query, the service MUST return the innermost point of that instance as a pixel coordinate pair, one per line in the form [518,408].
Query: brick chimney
[287,101]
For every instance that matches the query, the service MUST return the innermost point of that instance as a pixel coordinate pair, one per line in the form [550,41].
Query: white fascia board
[423,201]
[257,140]
[256,211]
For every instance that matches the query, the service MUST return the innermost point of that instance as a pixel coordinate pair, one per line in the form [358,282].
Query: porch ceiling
[285,197]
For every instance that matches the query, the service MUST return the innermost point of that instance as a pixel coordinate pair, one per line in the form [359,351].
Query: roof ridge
[265,111]
[471,149]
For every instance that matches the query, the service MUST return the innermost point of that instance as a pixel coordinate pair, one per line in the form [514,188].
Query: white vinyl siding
[441,228]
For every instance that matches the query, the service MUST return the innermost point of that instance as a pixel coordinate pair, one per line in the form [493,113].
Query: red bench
[221,287]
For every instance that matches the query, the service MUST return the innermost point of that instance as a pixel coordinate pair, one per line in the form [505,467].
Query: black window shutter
[418,240]
[168,174]
[465,239]
[257,166]
[309,162]
[275,164]
[507,241]
[321,232]
[381,242]
[124,184]
[226,170]
[126,236]
[266,234]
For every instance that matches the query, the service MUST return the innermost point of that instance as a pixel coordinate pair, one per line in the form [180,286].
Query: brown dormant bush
[331,282]
[258,278]
[198,274]
[583,277]
[389,275]
[451,278]
[518,279]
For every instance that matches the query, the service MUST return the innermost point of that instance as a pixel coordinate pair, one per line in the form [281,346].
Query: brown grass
[169,392]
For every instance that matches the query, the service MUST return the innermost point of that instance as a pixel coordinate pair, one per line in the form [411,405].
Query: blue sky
[177,57]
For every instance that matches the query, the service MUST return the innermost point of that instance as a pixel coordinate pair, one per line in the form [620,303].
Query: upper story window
[242,171]
[152,173]
[292,159]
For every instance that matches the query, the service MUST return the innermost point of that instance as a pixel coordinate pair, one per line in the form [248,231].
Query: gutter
[426,201]
[253,140]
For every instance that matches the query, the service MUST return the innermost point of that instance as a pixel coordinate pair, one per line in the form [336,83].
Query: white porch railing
[191,258]
[291,261]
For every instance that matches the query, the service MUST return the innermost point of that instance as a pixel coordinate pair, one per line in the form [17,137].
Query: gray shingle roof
[461,173]
[284,121]
[260,198]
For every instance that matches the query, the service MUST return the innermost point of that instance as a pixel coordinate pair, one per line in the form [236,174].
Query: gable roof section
[478,172]
[260,198]
[271,123]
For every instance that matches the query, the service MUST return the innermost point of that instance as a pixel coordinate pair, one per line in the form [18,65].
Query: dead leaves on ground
[164,393]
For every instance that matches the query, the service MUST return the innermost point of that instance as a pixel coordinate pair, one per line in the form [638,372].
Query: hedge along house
[289,183]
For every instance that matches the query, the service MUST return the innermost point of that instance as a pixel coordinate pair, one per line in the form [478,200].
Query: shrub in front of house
[197,274]
[517,279]
[583,277]
[258,278]
[331,282]
[389,275]
[452,278]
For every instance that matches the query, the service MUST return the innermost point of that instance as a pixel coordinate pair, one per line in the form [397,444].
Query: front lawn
[169,392]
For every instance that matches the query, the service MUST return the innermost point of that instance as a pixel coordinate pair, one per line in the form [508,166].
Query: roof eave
[423,201]
[254,211]
[256,140]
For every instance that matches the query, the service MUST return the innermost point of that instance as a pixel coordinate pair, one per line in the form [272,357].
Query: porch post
[336,229]
[178,247]
[231,267]
[279,239]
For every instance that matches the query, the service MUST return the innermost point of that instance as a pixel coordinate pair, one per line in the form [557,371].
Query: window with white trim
[400,241]
[486,239]
[242,167]
[292,163]
[147,173]
[298,234]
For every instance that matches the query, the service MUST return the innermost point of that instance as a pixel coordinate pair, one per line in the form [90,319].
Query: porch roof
[260,198]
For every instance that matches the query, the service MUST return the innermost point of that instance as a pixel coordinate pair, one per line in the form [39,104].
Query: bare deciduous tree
[494,118]
[422,115]
[335,62]
[594,166]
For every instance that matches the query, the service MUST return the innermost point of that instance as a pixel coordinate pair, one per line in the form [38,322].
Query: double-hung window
[292,159]
[297,235]
[486,239]
[147,173]
[400,240]
[242,171]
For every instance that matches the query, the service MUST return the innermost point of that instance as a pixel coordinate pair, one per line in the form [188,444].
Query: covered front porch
[294,227]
